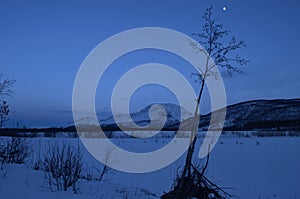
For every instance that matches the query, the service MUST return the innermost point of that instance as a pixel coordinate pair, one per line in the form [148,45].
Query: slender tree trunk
[188,162]
[189,157]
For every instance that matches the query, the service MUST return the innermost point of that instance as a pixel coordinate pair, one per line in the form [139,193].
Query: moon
[224,8]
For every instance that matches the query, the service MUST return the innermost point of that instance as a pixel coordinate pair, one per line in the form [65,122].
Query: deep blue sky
[43,43]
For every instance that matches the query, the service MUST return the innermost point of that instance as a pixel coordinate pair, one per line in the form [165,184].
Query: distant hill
[255,115]
[171,112]
[279,115]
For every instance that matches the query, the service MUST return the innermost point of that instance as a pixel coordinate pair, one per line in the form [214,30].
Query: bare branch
[6,86]
[213,40]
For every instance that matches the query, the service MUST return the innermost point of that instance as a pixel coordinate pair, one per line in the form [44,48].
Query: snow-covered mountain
[280,114]
[171,112]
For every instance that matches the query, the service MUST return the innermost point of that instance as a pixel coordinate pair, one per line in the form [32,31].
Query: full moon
[224,8]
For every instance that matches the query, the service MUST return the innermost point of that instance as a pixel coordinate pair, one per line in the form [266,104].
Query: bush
[14,150]
[62,167]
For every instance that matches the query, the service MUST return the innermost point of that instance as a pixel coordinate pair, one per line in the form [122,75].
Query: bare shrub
[36,159]
[98,173]
[63,166]
[108,161]
[2,156]
[15,150]
[89,175]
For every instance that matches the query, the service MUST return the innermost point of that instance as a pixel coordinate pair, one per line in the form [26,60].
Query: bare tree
[6,86]
[4,111]
[219,53]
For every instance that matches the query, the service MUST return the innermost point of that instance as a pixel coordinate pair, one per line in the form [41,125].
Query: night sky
[43,43]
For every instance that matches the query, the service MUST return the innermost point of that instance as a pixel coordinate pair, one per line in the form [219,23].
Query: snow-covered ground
[249,167]
[18,181]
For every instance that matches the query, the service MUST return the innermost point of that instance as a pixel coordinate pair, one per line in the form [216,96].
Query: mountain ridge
[261,114]
[275,114]
[252,115]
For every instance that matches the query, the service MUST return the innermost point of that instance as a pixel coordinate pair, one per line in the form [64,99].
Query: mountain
[171,112]
[279,114]
[256,115]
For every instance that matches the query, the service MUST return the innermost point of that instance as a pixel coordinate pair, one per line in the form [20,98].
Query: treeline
[38,132]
